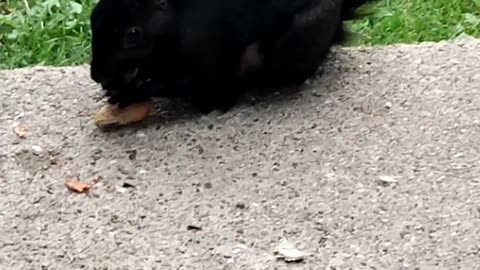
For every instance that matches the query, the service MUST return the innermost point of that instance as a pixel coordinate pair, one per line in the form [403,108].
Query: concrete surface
[299,166]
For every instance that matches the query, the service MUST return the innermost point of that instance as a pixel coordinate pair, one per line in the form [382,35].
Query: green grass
[45,32]
[411,21]
[56,32]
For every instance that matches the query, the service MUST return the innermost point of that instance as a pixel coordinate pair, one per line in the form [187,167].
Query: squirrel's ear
[161,4]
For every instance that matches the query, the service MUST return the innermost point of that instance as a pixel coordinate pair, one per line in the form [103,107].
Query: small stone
[387,179]
[240,205]
[208,185]
[121,189]
[316,93]
[288,252]
[193,227]
[82,256]
[132,154]
[37,149]
[127,185]
[122,170]
[388,105]
[20,131]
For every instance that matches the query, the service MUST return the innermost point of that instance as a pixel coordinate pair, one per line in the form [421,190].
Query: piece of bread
[111,115]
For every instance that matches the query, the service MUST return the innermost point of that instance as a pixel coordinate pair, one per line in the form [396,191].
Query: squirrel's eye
[133,32]
[161,4]
[132,37]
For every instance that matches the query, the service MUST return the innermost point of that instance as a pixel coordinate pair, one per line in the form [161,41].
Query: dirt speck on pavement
[300,166]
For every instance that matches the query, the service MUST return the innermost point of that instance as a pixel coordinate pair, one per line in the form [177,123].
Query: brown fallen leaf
[20,131]
[76,186]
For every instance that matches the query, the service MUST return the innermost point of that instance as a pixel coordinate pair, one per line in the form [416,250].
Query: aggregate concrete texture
[374,164]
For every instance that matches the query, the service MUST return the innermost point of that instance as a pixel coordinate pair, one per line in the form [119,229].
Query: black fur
[210,50]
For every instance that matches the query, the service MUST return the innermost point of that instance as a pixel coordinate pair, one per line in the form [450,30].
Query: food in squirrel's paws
[111,115]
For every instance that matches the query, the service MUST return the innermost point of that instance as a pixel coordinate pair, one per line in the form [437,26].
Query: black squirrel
[209,50]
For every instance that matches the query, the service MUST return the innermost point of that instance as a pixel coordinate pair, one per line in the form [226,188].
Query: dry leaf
[77,186]
[20,131]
